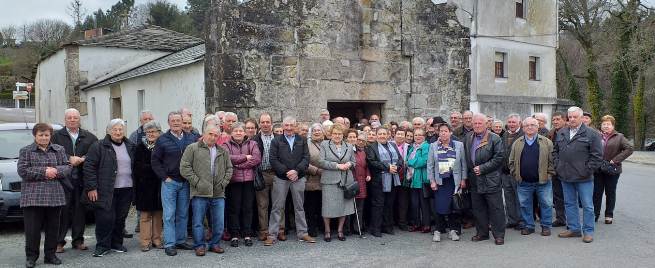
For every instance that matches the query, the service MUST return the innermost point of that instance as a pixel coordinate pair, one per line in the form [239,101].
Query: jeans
[111,223]
[217,210]
[526,191]
[175,203]
[583,191]
[604,183]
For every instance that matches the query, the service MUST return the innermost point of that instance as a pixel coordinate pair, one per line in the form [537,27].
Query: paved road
[9,115]
[628,242]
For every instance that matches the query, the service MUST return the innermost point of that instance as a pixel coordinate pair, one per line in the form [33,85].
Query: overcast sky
[18,12]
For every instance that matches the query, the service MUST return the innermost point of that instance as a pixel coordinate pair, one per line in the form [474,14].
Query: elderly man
[175,189]
[339,120]
[559,121]
[138,135]
[531,165]
[208,169]
[187,125]
[513,132]
[229,120]
[289,157]
[418,123]
[325,115]
[577,153]
[485,155]
[374,118]
[541,118]
[264,139]
[466,127]
[456,119]
[76,142]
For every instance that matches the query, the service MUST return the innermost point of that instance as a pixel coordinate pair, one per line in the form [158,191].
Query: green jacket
[546,167]
[420,165]
[195,166]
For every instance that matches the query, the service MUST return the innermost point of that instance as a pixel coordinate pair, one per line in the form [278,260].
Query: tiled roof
[176,59]
[145,37]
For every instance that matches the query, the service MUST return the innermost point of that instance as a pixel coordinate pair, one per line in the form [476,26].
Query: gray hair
[208,118]
[456,113]
[114,122]
[238,125]
[174,113]
[480,115]
[514,116]
[231,114]
[420,119]
[496,121]
[144,112]
[209,128]
[574,109]
[525,121]
[152,125]
[289,119]
[71,110]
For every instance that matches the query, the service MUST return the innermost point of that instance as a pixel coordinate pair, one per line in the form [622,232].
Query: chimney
[97,32]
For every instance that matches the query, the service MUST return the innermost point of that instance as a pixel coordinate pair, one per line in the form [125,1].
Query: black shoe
[341,237]
[559,224]
[99,252]
[52,260]
[171,251]
[119,249]
[234,242]
[126,234]
[327,237]
[313,233]
[376,233]
[388,231]
[247,242]
[596,218]
[184,246]
[527,231]
[403,227]
[30,264]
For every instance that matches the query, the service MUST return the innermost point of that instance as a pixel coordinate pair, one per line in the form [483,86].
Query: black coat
[376,166]
[283,159]
[100,169]
[147,185]
[84,141]
[489,155]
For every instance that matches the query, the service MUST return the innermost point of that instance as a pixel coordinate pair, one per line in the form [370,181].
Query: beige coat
[314,171]
[546,167]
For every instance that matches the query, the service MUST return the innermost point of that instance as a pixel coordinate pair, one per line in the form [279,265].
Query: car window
[11,141]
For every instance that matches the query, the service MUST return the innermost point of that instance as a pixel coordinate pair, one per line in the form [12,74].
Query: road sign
[21,95]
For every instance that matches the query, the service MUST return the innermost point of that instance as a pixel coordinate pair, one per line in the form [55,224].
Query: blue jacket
[167,154]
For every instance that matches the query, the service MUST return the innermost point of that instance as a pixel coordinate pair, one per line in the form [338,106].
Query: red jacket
[244,170]
[361,172]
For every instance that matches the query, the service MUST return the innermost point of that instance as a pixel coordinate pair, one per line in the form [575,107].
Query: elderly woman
[108,184]
[362,175]
[616,149]
[240,192]
[498,127]
[337,161]
[313,185]
[43,167]
[416,178]
[447,174]
[303,129]
[147,187]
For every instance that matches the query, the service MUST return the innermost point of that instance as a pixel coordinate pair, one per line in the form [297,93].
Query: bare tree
[8,35]
[77,12]
[48,34]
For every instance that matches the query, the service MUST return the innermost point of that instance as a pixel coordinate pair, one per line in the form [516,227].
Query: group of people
[241,181]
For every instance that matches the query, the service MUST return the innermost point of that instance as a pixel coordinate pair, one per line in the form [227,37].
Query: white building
[118,75]
[513,55]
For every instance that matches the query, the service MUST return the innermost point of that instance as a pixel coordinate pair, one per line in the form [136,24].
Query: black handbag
[427,191]
[462,200]
[351,190]
[258,182]
[610,169]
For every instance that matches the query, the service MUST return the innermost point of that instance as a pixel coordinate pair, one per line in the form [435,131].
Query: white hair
[114,122]
[71,110]
[209,128]
[527,119]
[574,109]
[420,119]
[514,116]
[289,119]
[144,112]
[480,115]
[152,125]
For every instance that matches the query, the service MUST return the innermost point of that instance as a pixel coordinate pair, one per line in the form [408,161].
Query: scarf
[385,157]
[149,145]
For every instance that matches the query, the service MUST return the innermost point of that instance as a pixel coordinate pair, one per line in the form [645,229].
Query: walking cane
[359,227]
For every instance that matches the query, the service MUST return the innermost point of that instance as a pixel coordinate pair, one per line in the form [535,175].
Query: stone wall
[290,57]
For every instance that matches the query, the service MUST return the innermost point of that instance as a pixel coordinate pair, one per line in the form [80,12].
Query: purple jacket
[244,170]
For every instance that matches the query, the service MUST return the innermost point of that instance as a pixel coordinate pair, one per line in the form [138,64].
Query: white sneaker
[436,237]
[453,235]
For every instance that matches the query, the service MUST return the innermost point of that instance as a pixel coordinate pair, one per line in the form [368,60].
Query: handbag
[258,182]
[462,200]
[427,191]
[351,190]
[610,169]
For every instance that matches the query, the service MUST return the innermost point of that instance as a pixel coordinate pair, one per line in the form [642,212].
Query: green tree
[167,15]
[197,10]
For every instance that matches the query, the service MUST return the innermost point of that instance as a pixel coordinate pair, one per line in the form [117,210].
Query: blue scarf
[388,178]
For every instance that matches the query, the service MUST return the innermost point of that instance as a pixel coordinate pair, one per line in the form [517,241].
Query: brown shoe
[587,239]
[499,241]
[545,232]
[200,251]
[308,239]
[217,249]
[60,249]
[478,238]
[269,241]
[81,247]
[263,236]
[569,234]
[281,236]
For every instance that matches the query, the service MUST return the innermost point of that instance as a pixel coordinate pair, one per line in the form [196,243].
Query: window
[520,9]
[538,108]
[501,66]
[535,68]
[94,115]
[140,96]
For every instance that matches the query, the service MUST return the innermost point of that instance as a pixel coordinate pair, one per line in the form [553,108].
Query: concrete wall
[97,62]
[292,57]
[164,91]
[50,84]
